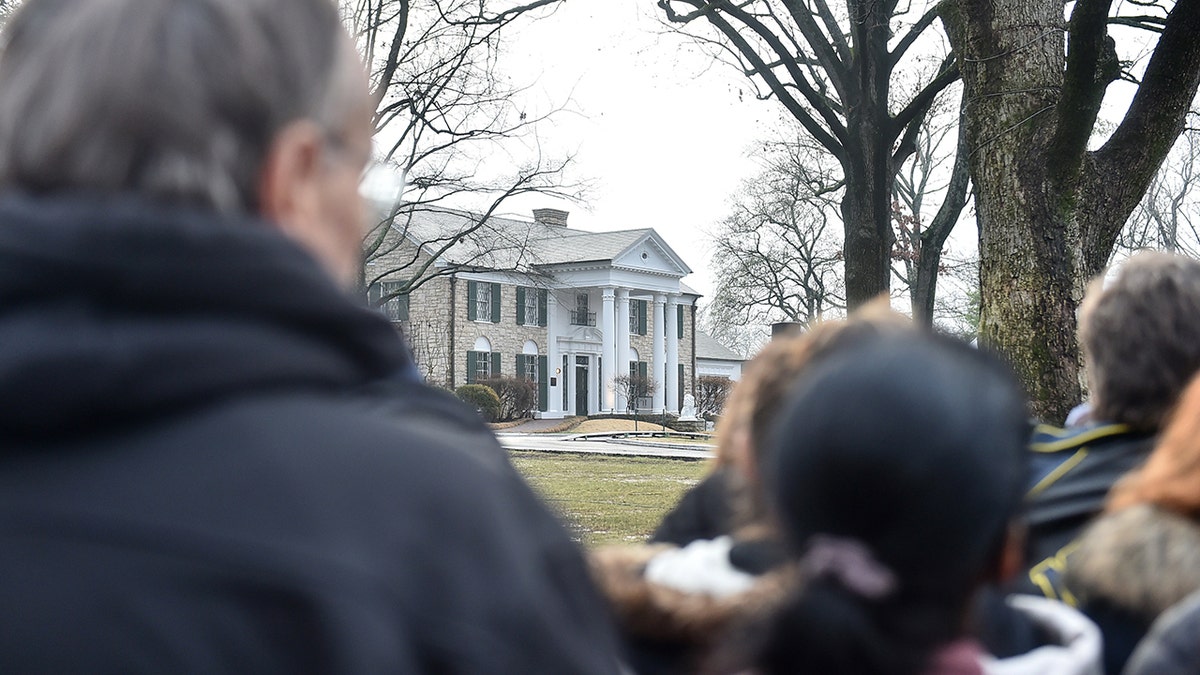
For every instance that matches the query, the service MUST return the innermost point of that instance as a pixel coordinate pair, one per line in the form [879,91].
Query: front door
[581,385]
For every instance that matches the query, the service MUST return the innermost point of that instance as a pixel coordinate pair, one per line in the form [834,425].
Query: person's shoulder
[1050,440]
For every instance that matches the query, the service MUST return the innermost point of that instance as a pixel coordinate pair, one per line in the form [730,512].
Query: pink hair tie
[851,563]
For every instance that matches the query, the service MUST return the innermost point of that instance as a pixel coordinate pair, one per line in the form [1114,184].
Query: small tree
[518,396]
[711,394]
[632,388]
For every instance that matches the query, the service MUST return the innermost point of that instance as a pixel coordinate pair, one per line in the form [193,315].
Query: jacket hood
[115,309]
[1141,559]
[1076,647]
[662,613]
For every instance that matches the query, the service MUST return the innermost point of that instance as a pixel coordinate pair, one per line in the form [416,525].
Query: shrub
[482,398]
[518,396]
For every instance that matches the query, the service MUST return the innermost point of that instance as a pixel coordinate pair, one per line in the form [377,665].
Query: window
[395,307]
[483,301]
[482,365]
[530,308]
[580,316]
[529,367]
[637,317]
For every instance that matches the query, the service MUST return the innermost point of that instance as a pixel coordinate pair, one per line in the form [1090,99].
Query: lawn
[608,499]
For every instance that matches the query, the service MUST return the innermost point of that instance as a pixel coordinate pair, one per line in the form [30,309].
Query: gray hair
[1141,338]
[177,100]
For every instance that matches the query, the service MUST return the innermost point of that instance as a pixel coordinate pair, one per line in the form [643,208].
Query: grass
[608,499]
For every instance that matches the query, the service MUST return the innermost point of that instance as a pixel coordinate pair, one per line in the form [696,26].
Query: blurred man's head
[241,106]
[1141,338]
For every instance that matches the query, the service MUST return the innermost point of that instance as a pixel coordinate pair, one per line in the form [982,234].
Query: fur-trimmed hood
[654,612]
[1141,560]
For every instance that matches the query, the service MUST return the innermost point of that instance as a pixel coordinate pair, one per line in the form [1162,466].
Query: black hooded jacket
[211,460]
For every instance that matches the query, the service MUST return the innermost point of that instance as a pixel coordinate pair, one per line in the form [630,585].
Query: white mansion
[566,309]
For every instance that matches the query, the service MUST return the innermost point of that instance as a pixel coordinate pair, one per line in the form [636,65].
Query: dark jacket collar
[114,310]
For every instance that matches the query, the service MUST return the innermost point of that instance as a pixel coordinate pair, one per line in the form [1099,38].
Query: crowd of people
[215,460]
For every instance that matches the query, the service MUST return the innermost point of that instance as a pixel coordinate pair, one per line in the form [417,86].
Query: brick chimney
[553,217]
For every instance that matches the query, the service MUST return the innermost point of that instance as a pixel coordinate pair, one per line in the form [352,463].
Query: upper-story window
[580,316]
[637,317]
[530,309]
[483,301]
[386,296]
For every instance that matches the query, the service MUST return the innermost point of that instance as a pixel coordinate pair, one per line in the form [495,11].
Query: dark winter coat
[213,461]
[1128,568]
[1073,471]
[704,512]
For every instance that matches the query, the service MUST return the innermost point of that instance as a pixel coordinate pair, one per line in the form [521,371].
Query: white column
[553,359]
[658,365]
[608,350]
[595,391]
[621,332]
[569,383]
[671,326]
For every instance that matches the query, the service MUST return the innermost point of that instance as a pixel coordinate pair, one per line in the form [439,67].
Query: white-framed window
[483,301]
[531,307]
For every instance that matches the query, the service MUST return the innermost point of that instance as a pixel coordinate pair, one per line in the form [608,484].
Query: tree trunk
[1011,54]
[866,217]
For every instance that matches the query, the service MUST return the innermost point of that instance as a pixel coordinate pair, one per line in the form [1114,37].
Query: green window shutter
[679,311]
[472,294]
[374,293]
[641,317]
[520,369]
[543,367]
[679,386]
[520,305]
[472,362]
[495,364]
[643,369]
[496,303]
[402,307]
[542,308]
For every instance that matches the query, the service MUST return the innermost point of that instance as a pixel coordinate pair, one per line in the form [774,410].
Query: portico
[603,312]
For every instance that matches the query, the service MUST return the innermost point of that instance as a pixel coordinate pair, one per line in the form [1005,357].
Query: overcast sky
[661,131]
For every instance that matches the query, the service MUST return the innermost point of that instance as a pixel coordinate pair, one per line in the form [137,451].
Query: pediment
[651,254]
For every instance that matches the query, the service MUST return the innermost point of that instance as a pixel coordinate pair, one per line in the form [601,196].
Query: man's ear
[288,176]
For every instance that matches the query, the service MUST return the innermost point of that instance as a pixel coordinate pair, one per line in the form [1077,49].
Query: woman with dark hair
[896,473]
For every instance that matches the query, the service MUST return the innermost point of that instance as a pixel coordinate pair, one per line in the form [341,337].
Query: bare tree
[917,254]
[712,391]
[1049,207]
[1169,213]
[778,255]
[832,66]
[443,109]
[632,388]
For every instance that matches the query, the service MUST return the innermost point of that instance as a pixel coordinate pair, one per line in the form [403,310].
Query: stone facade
[576,354]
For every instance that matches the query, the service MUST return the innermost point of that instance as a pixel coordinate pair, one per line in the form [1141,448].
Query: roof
[508,243]
[707,347]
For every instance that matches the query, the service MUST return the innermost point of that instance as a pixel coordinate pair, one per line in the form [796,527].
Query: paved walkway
[564,443]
